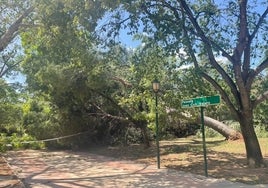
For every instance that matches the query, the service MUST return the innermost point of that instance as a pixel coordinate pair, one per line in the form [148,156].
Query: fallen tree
[228,132]
[225,130]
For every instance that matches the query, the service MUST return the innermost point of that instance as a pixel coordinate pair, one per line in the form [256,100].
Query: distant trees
[10,111]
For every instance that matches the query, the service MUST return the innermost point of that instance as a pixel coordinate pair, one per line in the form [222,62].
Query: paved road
[66,169]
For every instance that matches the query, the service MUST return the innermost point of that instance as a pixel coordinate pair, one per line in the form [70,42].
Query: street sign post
[202,102]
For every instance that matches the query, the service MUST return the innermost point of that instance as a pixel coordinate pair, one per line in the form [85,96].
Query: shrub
[15,141]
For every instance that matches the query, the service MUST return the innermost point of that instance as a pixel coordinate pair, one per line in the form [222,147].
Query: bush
[209,133]
[15,141]
[181,130]
[261,131]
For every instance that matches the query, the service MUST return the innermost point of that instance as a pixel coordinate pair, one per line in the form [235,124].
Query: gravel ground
[68,169]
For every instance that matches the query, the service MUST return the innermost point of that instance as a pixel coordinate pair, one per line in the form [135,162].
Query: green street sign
[200,101]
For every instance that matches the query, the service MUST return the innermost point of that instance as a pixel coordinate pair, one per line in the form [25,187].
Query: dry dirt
[189,157]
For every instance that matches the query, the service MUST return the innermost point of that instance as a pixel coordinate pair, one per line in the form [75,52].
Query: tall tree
[233,30]
[63,62]
[13,16]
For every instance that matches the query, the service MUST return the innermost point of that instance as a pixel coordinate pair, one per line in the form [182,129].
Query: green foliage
[209,133]
[261,131]
[10,109]
[10,115]
[17,141]
[39,119]
[78,87]
[172,29]
[260,113]
[63,69]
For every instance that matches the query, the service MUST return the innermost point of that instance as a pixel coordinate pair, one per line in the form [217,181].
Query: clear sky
[127,40]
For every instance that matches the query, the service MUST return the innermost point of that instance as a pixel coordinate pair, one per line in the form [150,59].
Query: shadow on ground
[187,155]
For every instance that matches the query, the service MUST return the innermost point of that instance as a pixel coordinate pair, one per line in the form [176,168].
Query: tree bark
[253,150]
[223,129]
[12,31]
[143,126]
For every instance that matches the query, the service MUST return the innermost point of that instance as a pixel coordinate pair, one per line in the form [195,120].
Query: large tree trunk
[12,31]
[145,136]
[142,124]
[253,150]
[223,129]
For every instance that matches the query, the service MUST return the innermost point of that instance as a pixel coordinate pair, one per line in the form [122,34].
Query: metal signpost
[156,87]
[202,102]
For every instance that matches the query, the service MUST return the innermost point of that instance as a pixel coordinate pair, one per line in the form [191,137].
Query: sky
[127,40]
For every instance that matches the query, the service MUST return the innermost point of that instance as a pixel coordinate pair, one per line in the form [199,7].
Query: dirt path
[67,169]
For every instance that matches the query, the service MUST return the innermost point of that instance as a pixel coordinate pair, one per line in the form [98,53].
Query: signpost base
[204,142]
